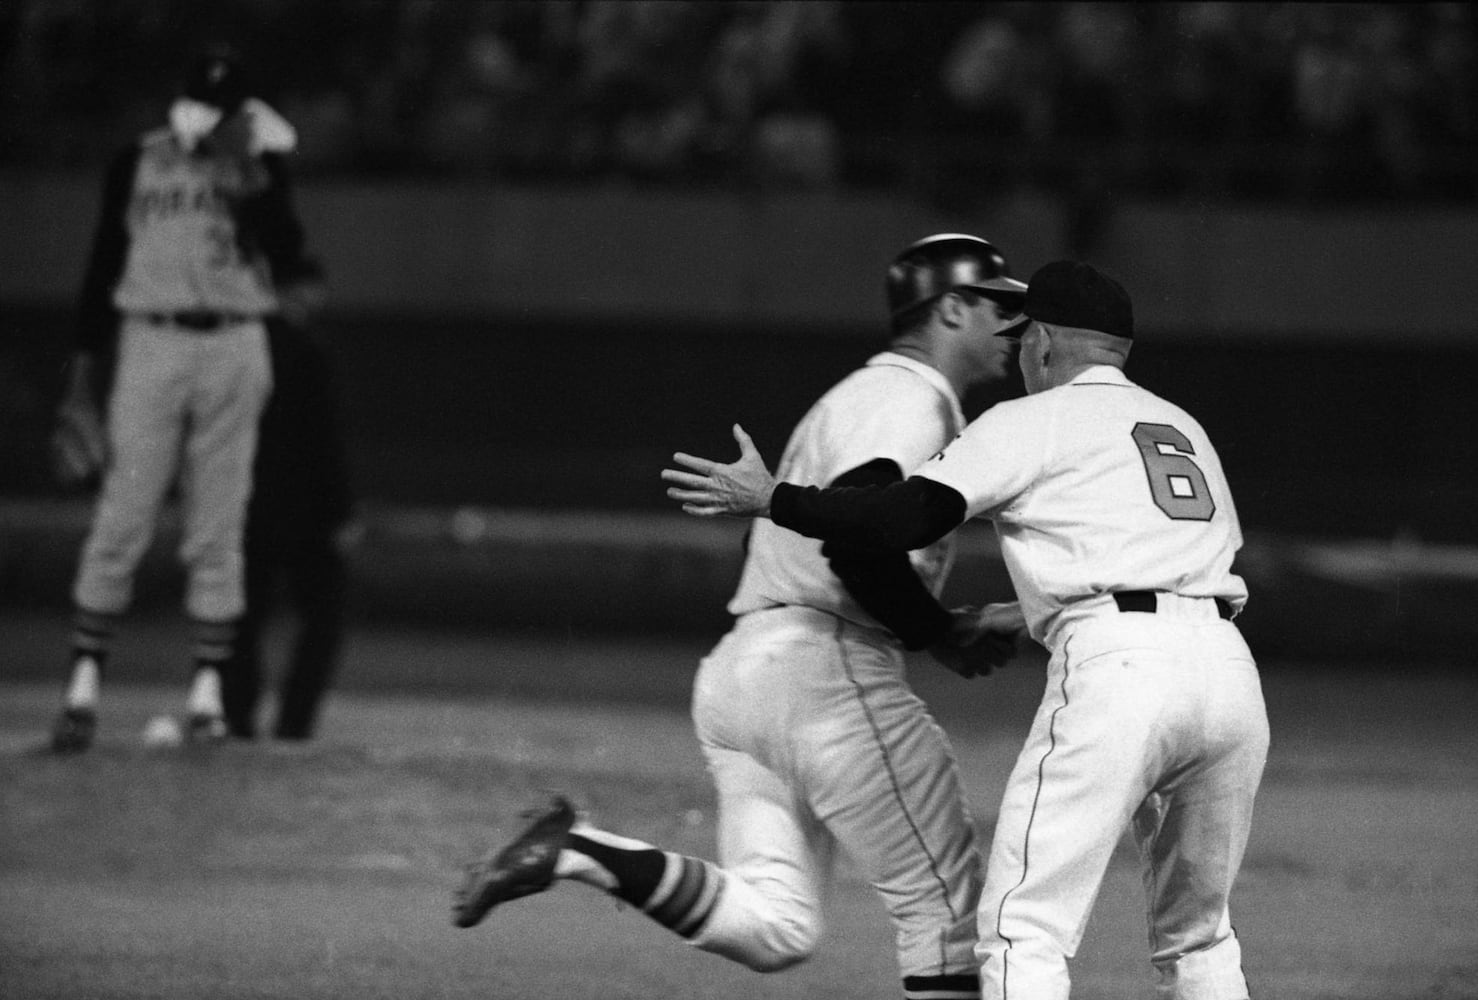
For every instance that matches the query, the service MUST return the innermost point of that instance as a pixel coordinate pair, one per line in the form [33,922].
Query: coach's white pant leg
[776,861]
[881,775]
[1193,835]
[1077,781]
[234,379]
[145,426]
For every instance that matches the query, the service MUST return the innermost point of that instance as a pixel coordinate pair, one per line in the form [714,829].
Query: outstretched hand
[712,489]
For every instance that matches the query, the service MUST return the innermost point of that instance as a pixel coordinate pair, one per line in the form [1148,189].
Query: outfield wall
[1369,441]
[590,572]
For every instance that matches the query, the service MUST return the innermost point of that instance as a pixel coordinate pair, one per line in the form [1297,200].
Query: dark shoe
[73,730]
[240,729]
[205,728]
[524,867]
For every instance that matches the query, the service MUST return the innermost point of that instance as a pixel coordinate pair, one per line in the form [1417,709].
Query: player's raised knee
[782,947]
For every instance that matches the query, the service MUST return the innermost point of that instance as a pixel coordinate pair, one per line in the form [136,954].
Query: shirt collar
[1101,375]
[929,374]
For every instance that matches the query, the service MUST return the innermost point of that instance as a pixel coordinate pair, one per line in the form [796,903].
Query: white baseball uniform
[811,731]
[1153,711]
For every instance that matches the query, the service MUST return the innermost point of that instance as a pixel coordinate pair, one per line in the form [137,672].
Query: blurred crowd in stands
[1345,102]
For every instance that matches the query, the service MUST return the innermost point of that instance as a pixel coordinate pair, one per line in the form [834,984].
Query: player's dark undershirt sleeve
[268,223]
[885,583]
[97,319]
[899,517]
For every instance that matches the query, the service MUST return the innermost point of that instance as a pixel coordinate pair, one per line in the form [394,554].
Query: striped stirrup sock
[675,890]
[214,644]
[686,895]
[960,986]
[92,635]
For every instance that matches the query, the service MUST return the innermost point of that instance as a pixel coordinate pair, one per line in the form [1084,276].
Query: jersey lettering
[1176,482]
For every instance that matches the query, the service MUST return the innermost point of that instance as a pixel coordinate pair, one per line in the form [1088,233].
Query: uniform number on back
[1176,481]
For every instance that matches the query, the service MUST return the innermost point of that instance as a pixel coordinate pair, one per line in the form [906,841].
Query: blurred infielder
[812,735]
[196,229]
[1119,532]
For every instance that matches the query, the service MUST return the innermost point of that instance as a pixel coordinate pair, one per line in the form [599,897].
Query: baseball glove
[78,446]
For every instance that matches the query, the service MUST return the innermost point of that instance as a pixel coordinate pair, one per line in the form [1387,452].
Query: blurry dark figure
[299,527]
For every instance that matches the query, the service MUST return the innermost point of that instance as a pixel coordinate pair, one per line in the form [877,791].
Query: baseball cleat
[522,868]
[73,730]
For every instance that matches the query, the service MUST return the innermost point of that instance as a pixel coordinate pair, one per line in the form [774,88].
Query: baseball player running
[1118,529]
[196,227]
[811,733]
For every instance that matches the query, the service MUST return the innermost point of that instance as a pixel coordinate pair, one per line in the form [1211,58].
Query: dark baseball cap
[216,77]
[1072,293]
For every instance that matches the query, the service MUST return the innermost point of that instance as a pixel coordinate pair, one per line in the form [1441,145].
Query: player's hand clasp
[980,639]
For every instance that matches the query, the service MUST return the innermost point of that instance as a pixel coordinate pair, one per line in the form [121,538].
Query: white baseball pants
[183,403]
[1154,719]
[815,740]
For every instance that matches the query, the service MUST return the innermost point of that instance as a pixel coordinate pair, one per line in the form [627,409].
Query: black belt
[201,320]
[1149,602]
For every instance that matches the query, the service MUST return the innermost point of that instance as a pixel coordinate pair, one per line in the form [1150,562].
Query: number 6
[1176,482]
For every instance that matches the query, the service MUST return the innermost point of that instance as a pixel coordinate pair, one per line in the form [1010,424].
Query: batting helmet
[938,264]
[217,77]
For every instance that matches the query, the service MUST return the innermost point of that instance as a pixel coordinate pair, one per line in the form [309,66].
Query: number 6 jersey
[1042,467]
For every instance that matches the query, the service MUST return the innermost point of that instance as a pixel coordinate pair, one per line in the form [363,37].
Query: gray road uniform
[181,275]
[196,235]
